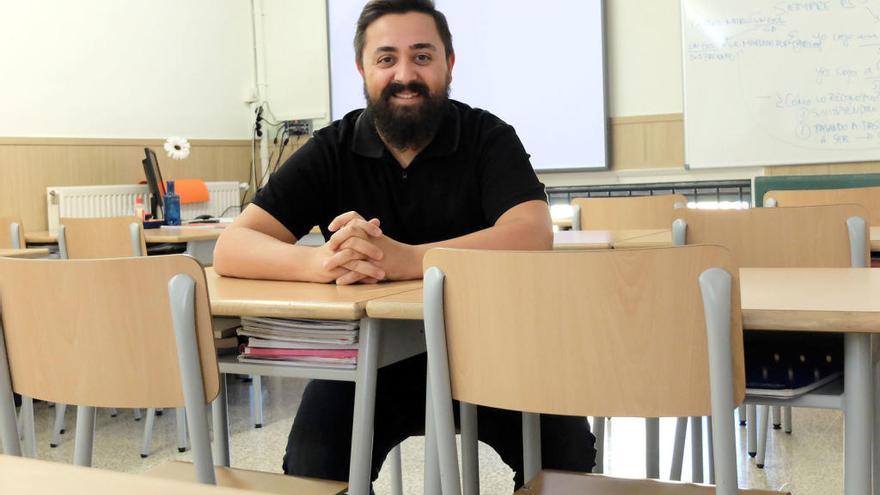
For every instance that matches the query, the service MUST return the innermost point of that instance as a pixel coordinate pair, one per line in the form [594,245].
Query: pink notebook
[285,353]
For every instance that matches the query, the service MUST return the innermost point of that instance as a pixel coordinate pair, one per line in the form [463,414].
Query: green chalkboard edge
[794,182]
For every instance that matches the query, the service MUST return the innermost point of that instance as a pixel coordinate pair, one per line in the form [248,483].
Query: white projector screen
[539,68]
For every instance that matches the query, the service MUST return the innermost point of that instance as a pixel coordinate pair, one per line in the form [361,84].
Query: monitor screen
[154,180]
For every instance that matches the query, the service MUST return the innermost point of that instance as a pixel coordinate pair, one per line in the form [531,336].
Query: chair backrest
[590,333]
[109,237]
[81,332]
[631,212]
[809,236]
[869,197]
[6,233]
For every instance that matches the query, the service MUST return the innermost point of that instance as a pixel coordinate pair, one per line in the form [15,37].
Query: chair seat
[251,480]
[560,482]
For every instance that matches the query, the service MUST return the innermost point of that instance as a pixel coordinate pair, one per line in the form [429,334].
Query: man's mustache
[415,87]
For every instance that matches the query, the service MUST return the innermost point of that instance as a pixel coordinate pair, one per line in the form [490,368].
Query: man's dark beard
[408,127]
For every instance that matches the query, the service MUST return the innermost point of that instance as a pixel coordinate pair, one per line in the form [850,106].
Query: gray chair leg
[113,412]
[441,389]
[470,461]
[28,428]
[137,414]
[396,471]
[678,449]
[763,413]
[148,432]
[58,427]
[599,433]
[741,410]
[85,436]
[432,463]
[220,418]
[711,451]
[652,448]
[180,416]
[181,295]
[257,401]
[531,426]
[786,419]
[752,430]
[697,449]
[777,417]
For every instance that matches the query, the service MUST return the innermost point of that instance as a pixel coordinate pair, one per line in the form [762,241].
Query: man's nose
[406,72]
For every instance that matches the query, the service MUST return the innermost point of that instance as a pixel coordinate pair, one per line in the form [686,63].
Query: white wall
[643,49]
[125,68]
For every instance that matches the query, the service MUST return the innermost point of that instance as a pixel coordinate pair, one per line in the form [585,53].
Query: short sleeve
[507,177]
[296,193]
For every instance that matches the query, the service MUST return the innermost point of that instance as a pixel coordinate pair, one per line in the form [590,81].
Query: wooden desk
[24,476]
[599,239]
[199,239]
[381,342]
[659,238]
[875,239]
[24,253]
[788,299]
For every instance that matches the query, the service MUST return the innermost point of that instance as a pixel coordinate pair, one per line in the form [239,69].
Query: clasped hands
[358,252]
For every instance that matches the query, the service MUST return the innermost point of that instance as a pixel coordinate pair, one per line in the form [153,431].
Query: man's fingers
[354,278]
[366,248]
[342,220]
[356,228]
[340,258]
[366,268]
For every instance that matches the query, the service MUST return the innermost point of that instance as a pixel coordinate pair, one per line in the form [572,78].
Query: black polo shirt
[473,171]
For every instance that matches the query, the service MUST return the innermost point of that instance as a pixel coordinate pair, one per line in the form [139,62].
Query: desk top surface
[599,239]
[242,297]
[31,476]
[184,233]
[24,253]
[809,299]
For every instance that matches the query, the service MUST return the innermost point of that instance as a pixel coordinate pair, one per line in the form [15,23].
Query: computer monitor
[154,181]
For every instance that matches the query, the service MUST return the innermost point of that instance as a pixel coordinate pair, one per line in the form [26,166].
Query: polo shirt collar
[367,142]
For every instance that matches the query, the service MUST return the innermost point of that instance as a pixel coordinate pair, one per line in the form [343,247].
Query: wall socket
[298,127]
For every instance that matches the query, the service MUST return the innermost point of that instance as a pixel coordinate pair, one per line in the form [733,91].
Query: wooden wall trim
[644,119]
[151,142]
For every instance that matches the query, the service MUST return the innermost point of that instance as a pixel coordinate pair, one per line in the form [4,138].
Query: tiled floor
[808,462]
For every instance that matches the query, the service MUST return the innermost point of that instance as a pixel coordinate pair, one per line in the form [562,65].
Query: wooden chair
[11,233]
[164,357]
[817,236]
[501,331]
[869,197]
[625,212]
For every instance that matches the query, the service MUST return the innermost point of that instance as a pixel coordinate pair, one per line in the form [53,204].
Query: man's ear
[360,67]
[449,63]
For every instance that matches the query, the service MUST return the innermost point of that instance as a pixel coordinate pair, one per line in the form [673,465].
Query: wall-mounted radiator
[118,200]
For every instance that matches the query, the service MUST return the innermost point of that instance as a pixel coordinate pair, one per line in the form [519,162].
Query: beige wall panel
[28,166]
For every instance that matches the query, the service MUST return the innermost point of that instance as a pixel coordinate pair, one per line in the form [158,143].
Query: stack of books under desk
[300,342]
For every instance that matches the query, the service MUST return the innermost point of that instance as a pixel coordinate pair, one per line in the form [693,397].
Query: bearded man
[412,171]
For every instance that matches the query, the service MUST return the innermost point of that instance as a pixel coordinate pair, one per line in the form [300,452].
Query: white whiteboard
[541,71]
[781,82]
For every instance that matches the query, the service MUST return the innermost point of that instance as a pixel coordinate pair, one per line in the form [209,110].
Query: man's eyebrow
[386,49]
[424,46]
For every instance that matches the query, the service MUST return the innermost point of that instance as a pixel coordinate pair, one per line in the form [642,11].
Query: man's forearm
[246,253]
[517,235]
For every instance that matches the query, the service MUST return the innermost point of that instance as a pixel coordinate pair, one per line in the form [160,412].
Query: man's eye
[385,60]
[423,58]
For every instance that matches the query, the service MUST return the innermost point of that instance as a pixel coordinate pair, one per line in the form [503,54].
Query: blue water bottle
[172,205]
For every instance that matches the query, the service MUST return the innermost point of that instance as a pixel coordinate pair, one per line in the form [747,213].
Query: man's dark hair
[375,9]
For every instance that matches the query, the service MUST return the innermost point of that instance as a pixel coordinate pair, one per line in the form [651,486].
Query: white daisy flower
[177,147]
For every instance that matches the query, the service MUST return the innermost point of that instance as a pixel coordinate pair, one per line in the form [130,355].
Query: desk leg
[364,408]
[220,417]
[857,414]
